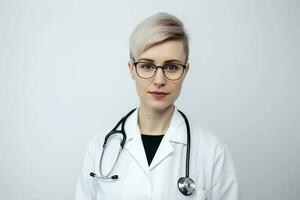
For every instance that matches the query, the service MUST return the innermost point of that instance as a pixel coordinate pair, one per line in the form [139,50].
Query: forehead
[168,50]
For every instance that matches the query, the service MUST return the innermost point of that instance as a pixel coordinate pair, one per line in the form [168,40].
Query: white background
[64,78]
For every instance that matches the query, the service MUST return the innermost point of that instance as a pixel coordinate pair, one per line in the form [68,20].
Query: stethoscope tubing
[187,166]
[122,131]
[185,184]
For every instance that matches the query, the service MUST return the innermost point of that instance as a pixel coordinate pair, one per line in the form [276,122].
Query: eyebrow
[166,61]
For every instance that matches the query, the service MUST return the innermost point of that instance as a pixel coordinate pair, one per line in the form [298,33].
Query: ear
[186,69]
[131,68]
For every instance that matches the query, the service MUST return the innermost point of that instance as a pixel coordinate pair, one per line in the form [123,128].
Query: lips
[159,95]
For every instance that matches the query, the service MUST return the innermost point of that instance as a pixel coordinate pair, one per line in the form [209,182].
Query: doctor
[154,156]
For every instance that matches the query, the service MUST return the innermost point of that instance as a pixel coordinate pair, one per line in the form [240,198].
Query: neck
[154,122]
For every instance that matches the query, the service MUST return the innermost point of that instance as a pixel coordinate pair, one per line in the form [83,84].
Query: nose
[159,78]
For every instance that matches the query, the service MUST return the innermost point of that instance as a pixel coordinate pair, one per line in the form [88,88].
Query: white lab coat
[211,167]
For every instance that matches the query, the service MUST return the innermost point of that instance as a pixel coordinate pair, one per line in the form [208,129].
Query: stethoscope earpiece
[186,186]
[113,177]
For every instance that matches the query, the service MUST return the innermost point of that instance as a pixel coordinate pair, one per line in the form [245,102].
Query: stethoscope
[185,184]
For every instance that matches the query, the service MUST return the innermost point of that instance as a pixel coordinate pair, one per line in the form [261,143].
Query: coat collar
[176,133]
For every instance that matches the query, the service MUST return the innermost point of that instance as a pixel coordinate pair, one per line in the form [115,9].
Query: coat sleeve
[224,179]
[86,185]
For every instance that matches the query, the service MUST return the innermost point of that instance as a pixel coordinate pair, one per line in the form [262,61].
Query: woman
[154,157]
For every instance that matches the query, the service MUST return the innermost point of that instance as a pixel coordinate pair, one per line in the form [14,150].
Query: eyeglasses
[172,71]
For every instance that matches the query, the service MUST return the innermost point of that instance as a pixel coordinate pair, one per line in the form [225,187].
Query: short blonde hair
[156,29]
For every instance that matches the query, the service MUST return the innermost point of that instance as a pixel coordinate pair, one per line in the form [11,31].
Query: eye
[172,67]
[145,66]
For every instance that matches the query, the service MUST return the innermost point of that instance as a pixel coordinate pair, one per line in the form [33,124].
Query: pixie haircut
[154,30]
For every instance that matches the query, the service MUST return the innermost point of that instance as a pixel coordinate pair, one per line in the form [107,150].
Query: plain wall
[64,78]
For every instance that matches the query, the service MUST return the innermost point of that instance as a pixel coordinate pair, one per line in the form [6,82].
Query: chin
[160,106]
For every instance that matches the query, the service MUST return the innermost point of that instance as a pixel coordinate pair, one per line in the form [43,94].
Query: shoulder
[95,142]
[202,135]
[206,142]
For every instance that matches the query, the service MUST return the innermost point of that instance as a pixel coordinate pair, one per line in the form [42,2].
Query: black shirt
[151,144]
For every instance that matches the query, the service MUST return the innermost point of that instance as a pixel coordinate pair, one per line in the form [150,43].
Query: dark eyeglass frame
[162,68]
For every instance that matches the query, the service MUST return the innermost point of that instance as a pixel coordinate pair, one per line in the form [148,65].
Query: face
[167,52]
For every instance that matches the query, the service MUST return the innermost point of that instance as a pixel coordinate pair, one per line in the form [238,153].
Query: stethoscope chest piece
[186,186]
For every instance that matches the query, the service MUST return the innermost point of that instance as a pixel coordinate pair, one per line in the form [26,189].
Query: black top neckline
[151,144]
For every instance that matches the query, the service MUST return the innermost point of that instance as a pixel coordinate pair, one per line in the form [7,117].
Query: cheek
[140,86]
[176,89]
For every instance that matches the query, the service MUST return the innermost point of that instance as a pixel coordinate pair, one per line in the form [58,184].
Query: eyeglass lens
[147,70]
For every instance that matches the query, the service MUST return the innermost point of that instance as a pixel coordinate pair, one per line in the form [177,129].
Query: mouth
[158,95]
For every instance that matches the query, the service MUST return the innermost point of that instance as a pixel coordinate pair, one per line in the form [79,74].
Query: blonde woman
[162,156]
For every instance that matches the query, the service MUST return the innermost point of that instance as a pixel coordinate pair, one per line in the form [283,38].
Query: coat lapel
[175,133]
[134,144]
